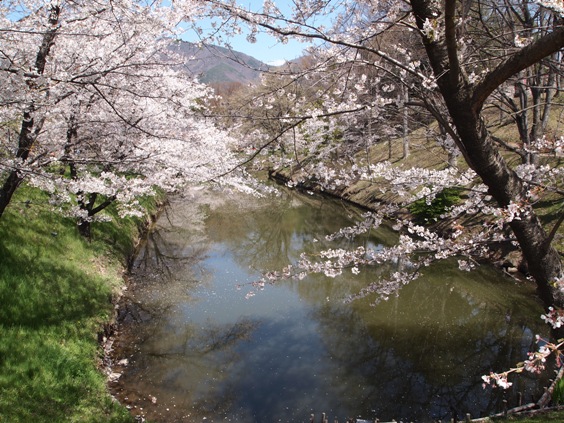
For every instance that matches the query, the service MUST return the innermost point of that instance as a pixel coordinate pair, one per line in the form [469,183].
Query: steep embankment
[56,291]
[373,193]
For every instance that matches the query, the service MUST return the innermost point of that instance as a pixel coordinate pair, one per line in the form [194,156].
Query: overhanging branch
[527,56]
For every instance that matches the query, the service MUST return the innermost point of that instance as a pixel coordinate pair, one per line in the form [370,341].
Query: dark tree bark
[464,102]
[31,125]
[88,204]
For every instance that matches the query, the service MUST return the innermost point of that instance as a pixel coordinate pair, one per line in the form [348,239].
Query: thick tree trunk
[88,206]
[27,137]
[84,228]
[30,127]
[505,186]
[86,203]
[10,185]
[464,102]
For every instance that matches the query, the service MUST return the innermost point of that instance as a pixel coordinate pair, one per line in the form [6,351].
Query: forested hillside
[215,64]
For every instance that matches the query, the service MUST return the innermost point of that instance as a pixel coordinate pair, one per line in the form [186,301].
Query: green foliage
[428,213]
[55,291]
[558,393]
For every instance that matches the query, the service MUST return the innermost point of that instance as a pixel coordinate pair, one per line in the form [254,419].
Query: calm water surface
[198,350]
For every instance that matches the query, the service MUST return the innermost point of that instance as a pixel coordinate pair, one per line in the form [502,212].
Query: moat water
[197,349]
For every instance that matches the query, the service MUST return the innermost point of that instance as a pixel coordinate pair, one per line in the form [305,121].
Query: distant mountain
[215,64]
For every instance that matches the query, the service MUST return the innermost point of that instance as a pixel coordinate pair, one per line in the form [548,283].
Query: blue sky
[267,49]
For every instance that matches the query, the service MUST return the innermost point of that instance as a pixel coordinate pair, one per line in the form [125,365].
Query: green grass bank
[56,292]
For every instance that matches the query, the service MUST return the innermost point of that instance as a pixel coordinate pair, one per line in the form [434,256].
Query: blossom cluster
[116,117]
[536,360]
[554,317]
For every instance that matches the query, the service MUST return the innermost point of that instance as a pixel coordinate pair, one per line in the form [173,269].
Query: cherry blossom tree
[101,111]
[105,159]
[465,99]
[453,72]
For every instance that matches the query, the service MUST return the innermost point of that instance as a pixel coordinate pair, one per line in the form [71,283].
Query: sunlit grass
[55,295]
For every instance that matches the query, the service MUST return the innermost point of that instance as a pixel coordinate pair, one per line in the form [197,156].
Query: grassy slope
[55,296]
[426,153]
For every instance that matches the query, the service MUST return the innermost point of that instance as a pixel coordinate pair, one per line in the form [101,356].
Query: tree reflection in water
[169,247]
[164,367]
[420,366]
[203,351]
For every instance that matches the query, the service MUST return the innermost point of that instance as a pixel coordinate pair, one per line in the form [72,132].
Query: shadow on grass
[47,295]
[37,290]
[55,295]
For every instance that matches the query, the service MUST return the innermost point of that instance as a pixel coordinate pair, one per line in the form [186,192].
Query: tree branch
[527,56]
[102,206]
[318,36]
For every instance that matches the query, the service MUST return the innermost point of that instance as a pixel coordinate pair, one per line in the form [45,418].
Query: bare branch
[527,56]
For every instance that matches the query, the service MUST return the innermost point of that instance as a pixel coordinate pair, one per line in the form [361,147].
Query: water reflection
[425,355]
[203,351]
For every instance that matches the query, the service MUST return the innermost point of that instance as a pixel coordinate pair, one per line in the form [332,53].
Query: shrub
[426,214]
